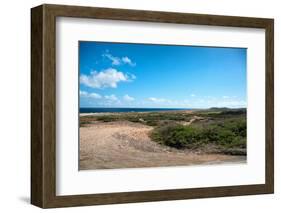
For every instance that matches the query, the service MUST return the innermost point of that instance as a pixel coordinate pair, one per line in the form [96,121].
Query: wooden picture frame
[43,105]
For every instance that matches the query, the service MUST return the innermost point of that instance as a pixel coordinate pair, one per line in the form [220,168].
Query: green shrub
[107,118]
[223,135]
[177,136]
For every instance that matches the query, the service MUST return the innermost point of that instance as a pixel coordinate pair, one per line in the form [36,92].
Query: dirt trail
[127,145]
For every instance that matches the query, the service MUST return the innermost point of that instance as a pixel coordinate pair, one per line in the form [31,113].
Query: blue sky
[170,76]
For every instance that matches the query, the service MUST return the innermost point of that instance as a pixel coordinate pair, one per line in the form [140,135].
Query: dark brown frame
[43,105]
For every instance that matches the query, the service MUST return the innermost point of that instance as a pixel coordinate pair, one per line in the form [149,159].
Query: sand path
[127,145]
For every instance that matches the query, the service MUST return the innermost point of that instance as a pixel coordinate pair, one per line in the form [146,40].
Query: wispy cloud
[85,94]
[192,95]
[158,100]
[95,95]
[111,98]
[114,60]
[128,98]
[105,78]
[232,103]
[99,100]
[205,102]
[223,101]
[127,60]
[119,60]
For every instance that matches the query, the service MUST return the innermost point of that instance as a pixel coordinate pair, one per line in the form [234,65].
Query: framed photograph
[137,106]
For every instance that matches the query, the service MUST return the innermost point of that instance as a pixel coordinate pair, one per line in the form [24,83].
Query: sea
[102,110]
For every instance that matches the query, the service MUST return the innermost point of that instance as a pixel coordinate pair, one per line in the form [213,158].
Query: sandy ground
[127,145]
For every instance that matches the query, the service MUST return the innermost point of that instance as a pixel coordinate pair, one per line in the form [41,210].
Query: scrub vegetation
[216,130]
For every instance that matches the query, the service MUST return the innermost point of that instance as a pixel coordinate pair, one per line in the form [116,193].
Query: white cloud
[105,78]
[196,102]
[128,98]
[225,97]
[163,102]
[232,103]
[90,95]
[114,60]
[83,93]
[127,60]
[111,97]
[98,100]
[158,100]
[192,95]
[95,95]
[118,61]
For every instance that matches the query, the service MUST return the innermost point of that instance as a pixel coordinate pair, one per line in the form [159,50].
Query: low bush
[177,136]
[230,134]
